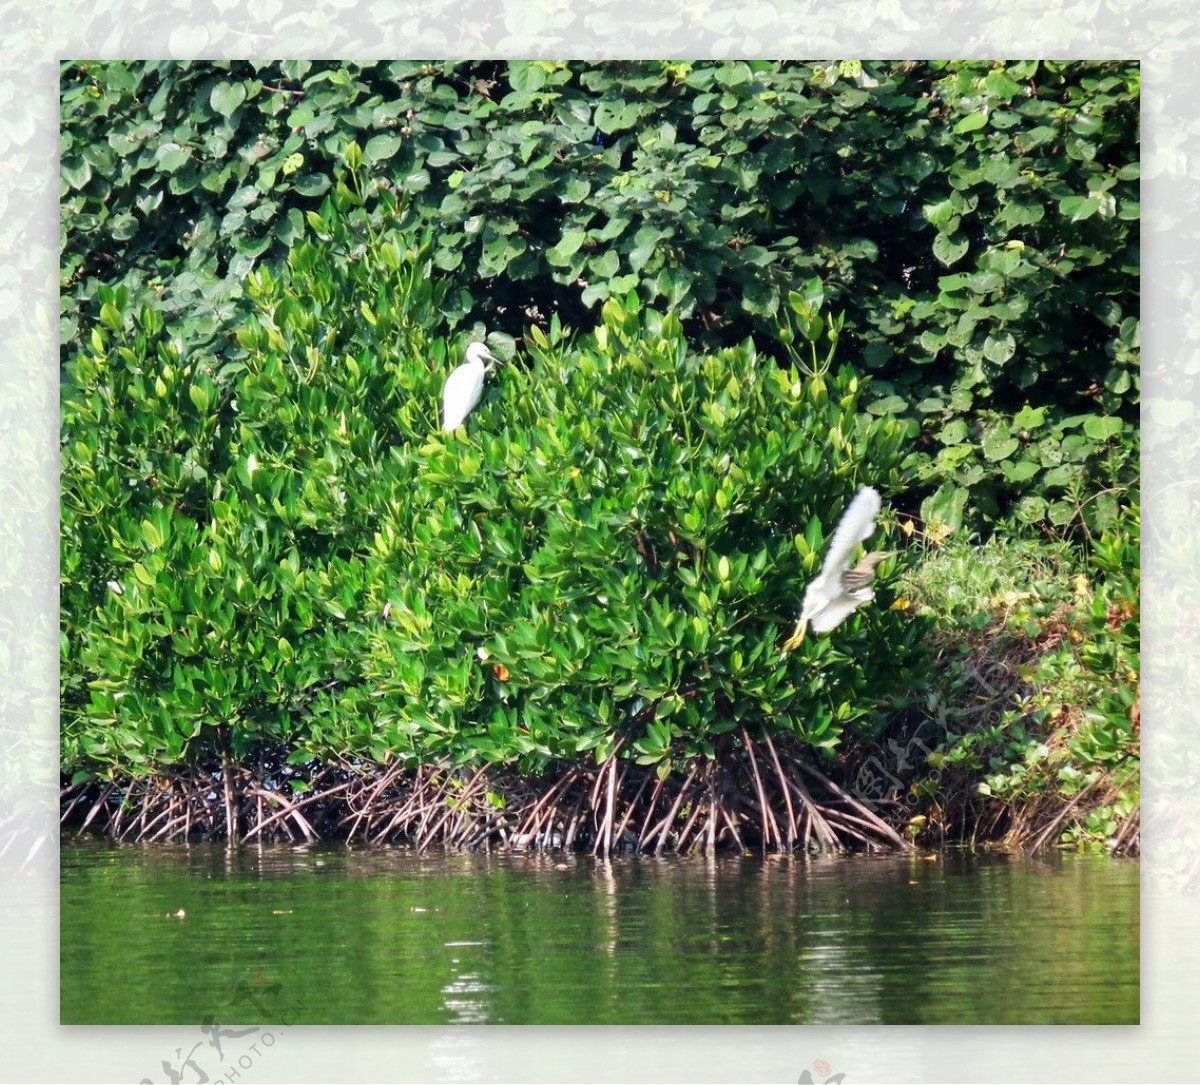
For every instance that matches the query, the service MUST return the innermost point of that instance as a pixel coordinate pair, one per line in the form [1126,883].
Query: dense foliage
[289,549]
[1035,701]
[976,221]
[727,295]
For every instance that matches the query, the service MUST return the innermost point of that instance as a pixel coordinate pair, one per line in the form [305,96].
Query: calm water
[332,936]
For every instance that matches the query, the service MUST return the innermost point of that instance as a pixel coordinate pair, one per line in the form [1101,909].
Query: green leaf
[1000,86]
[170,157]
[526,76]
[1100,428]
[1078,208]
[382,147]
[570,243]
[1028,418]
[77,172]
[945,506]
[152,535]
[1031,509]
[954,432]
[1060,476]
[1061,513]
[970,123]
[888,405]
[227,97]
[606,265]
[949,250]
[1021,471]
[576,190]
[416,181]
[999,348]
[998,445]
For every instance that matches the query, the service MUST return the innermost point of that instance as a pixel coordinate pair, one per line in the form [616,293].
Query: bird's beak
[492,360]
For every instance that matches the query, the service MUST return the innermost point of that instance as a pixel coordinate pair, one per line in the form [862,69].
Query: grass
[1033,688]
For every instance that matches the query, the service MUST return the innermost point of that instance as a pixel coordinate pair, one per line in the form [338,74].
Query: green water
[181,935]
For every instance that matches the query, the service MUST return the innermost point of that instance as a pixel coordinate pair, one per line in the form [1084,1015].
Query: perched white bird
[464,387]
[839,590]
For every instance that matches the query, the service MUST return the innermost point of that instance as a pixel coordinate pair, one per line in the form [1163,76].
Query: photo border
[1162,34]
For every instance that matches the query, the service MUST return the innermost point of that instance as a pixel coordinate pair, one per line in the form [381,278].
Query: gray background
[1161,33]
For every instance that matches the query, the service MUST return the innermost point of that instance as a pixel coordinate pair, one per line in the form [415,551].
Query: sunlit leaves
[613,529]
[972,225]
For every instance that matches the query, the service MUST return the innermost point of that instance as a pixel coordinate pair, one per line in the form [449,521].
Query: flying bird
[464,386]
[839,590]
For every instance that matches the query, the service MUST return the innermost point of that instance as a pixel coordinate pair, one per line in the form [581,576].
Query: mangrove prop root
[669,820]
[289,808]
[619,831]
[770,829]
[651,806]
[752,794]
[604,837]
[869,816]
[787,799]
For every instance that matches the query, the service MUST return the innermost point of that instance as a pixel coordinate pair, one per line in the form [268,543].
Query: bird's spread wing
[836,611]
[857,523]
[462,391]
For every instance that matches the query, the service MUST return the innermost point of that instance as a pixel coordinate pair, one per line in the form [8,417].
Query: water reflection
[463,998]
[385,936]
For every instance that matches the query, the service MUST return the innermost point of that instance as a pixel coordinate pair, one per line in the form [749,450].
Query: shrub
[1038,684]
[285,549]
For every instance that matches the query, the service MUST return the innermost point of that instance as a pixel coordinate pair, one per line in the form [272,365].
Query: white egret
[838,590]
[464,386]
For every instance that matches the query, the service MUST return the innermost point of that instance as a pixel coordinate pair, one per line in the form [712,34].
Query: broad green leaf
[227,97]
[170,157]
[1029,417]
[949,250]
[953,433]
[945,506]
[1021,471]
[1061,513]
[970,123]
[152,535]
[381,147]
[605,265]
[1100,428]
[998,445]
[1078,208]
[1031,509]
[570,243]
[999,348]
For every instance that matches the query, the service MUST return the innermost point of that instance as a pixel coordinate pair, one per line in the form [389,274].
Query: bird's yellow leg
[796,639]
